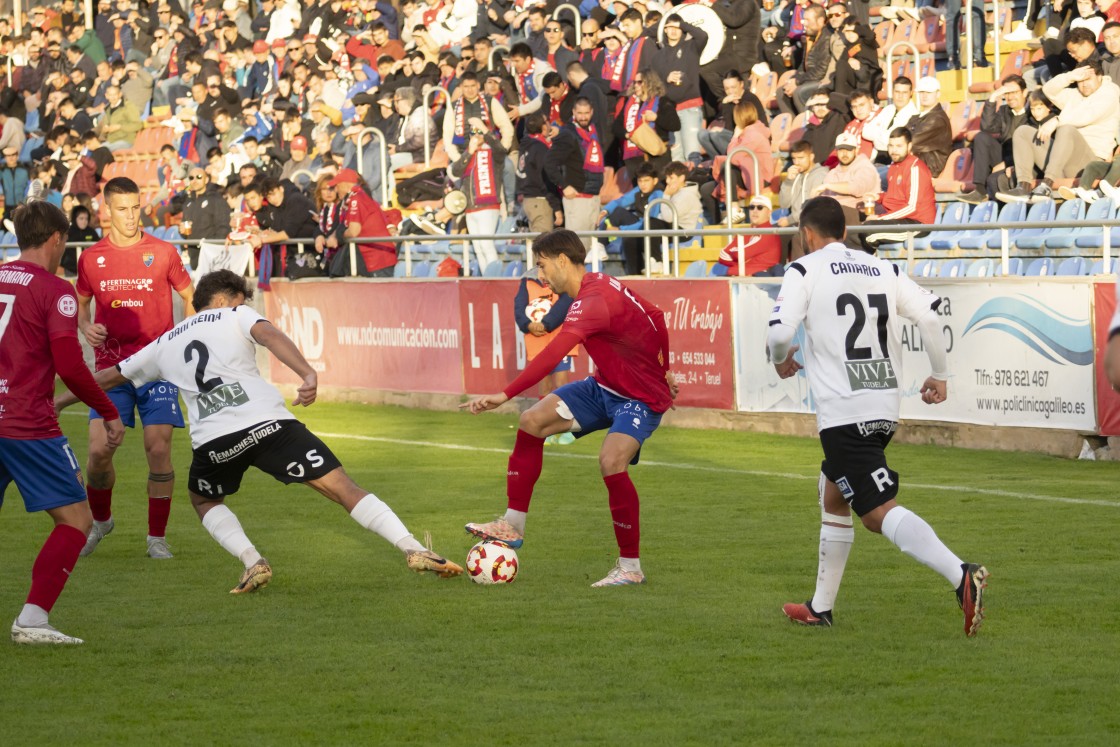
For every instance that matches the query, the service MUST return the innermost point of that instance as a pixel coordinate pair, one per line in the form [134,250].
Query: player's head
[560,256]
[123,198]
[552,244]
[821,222]
[221,288]
[39,224]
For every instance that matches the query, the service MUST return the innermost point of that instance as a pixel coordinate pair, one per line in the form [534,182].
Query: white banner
[214,255]
[1020,354]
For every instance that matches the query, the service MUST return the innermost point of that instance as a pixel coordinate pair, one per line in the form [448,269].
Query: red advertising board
[698,314]
[391,336]
[1108,401]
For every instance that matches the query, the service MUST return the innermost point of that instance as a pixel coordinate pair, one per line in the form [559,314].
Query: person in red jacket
[909,197]
[760,252]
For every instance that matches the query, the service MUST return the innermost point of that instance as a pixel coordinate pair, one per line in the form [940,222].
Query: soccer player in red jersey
[130,275]
[632,387]
[38,337]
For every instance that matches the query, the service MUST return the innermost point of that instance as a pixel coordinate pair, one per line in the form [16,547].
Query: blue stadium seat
[475,270]
[1014,267]
[951,268]
[7,239]
[926,268]
[947,214]
[159,232]
[698,268]
[983,217]
[1043,266]
[718,271]
[172,234]
[981,268]
[1094,238]
[421,269]
[1098,267]
[1039,212]
[420,247]
[1063,238]
[514,269]
[493,270]
[1036,237]
[902,265]
[1072,266]
[1012,212]
[399,270]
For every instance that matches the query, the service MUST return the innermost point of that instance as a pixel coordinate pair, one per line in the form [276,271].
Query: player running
[632,387]
[850,303]
[211,358]
[130,275]
[39,337]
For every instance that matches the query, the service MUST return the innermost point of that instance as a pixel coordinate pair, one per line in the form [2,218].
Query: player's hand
[482,404]
[307,391]
[934,391]
[789,367]
[674,388]
[96,334]
[114,432]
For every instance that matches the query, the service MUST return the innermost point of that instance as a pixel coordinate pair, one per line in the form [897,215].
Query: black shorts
[855,459]
[284,449]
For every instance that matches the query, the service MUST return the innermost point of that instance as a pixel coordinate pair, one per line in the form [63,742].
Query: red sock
[623,498]
[100,503]
[53,565]
[524,470]
[158,511]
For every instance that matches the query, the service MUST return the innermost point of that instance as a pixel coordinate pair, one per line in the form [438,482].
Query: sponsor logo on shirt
[67,306]
[127,303]
[253,437]
[216,400]
[126,284]
[845,488]
[877,373]
[101,261]
[872,427]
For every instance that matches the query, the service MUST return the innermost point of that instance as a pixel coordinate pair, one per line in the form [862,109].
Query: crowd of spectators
[289,119]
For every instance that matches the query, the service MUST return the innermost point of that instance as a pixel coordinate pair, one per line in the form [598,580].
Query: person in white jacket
[1084,130]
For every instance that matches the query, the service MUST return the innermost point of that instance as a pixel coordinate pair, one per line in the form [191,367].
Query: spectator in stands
[857,68]
[14,179]
[299,161]
[595,90]
[909,197]
[853,182]
[373,43]
[575,165]
[646,108]
[288,215]
[555,53]
[1083,131]
[557,102]
[802,178]
[479,170]
[1110,59]
[363,217]
[540,199]
[752,134]
[953,23]
[81,177]
[815,66]
[204,211]
[684,195]
[331,228]
[81,232]
[715,139]
[1064,52]
[472,104]
[822,126]
[638,51]
[1003,113]
[11,131]
[407,145]
[741,19]
[73,118]
[120,123]
[761,251]
[678,64]
[137,86]
[528,75]
[930,130]
[627,213]
[892,116]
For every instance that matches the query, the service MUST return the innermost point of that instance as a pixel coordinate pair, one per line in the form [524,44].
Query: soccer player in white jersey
[850,303]
[211,357]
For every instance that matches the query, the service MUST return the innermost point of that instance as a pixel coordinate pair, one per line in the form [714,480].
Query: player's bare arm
[487,402]
[934,391]
[95,334]
[187,294]
[106,378]
[280,345]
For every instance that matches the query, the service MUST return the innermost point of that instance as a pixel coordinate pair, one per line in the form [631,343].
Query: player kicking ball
[850,303]
[627,338]
[39,337]
[211,357]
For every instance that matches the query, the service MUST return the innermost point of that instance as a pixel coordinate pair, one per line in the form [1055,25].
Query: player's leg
[223,525]
[101,476]
[375,515]
[836,538]
[161,486]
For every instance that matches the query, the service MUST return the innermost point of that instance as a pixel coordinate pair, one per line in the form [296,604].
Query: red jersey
[627,338]
[131,288]
[909,192]
[36,308]
[360,208]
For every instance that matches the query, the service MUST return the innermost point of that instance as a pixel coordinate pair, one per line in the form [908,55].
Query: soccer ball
[492,563]
[537,308]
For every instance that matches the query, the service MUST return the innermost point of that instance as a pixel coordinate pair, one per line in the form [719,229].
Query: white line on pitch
[732,471]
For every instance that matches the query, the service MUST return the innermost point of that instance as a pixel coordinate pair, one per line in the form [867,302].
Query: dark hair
[269,184]
[1109,25]
[645,168]
[583,100]
[733,75]
[1093,63]
[575,65]
[1017,80]
[520,50]
[822,214]
[120,185]
[902,80]
[551,80]
[78,210]
[219,283]
[255,186]
[37,221]
[559,241]
[630,14]
[1080,35]
[801,146]
[903,133]
[535,123]
[468,75]
[233,189]
[676,168]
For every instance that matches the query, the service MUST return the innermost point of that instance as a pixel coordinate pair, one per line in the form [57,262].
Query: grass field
[346,646]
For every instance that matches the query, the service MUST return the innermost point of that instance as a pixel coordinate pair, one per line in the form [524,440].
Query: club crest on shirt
[148,258]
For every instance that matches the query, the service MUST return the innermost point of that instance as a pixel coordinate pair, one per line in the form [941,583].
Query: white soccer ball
[537,308]
[492,563]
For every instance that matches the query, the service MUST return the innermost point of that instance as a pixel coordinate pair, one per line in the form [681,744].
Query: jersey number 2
[204,385]
[877,301]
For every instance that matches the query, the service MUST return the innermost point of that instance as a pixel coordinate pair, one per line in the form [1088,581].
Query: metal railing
[967,9]
[666,202]
[890,59]
[428,121]
[380,137]
[493,51]
[727,183]
[575,18]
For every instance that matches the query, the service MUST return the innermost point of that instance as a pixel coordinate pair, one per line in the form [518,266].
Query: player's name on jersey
[225,395]
[845,268]
[19,277]
[204,316]
[871,374]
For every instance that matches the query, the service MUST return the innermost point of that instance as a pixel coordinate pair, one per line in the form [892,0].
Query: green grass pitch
[346,646]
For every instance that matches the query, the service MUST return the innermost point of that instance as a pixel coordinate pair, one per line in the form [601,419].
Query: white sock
[836,543]
[226,530]
[32,616]
[911,534]
[516,519]
[630,565]
[372,513]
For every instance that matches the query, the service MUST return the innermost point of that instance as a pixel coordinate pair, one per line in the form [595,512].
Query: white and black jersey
[851,303]
[212,358]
